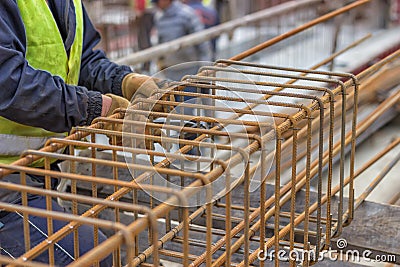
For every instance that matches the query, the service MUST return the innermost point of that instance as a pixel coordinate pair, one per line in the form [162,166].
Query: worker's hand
[112,102]
[142,86]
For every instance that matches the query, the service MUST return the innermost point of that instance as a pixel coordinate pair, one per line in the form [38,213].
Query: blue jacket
[26,92]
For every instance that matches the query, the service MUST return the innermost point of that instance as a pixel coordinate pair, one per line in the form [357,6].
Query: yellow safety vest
[45,51]
[207,2]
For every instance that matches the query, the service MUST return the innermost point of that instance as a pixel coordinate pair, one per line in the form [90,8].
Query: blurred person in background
[145,19]
[209,17]
[174,19]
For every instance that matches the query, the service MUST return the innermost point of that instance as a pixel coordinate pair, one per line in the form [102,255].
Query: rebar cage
[238,172]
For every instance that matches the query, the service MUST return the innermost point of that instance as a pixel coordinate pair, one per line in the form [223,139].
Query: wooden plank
[376,228]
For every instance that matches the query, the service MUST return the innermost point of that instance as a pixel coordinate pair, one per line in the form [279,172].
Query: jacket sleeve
[34,97]
[97,71]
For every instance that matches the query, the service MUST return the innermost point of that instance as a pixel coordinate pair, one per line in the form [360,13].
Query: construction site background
[117,21]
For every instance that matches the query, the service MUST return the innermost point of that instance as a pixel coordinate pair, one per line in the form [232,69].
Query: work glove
[136,86]
[116,102]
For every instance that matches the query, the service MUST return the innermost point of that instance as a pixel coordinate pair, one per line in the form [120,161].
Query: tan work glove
[136,86]
[116,102]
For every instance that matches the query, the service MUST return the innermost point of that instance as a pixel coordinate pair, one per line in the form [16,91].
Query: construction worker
[173,20]
[145,15]
[209,17]
[51,80]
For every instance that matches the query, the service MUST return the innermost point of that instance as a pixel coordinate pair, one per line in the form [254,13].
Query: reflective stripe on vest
[45,51]
[21,143]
